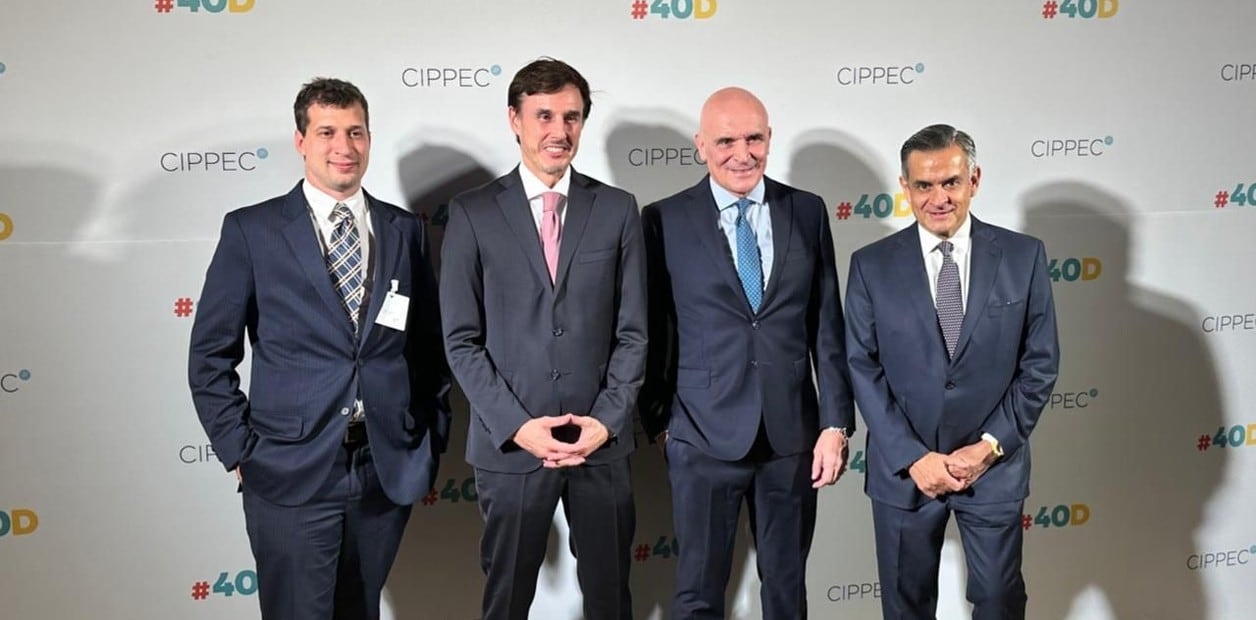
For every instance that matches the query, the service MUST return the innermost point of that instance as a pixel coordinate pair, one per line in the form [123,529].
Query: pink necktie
[550,229]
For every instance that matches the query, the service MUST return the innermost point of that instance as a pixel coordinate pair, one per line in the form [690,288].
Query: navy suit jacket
[913,399]
[717,369]
[269,280]
[523,347]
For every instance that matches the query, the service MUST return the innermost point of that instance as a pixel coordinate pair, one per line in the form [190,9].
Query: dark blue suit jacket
[717,368]
[913,399]
[268,280]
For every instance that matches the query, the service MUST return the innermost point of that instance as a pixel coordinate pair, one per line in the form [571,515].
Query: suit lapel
[986,256]
[579,206]
[518,214]
[303,241]
[781,209]
[385,250]
[914,283]
[704,214]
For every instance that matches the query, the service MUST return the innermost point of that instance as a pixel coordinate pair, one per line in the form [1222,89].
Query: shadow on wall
[437,573]
[1129,455]
[651,154]
[840,168]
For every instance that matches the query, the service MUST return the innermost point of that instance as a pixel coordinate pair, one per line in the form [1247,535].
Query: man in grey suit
[543,303]
[953,353]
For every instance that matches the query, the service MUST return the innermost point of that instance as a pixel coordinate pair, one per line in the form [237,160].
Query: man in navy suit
[744,307]
[543,301]
[346,412]
[953,352]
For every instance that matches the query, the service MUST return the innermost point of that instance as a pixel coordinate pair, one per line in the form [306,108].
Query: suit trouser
[518,510]
[909,552]
[329,557]
[707,494]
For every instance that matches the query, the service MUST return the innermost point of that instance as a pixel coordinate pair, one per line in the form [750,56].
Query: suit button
[344,411]
[754,325]
[754,363]
[554,375]
[950,385]
[558,331]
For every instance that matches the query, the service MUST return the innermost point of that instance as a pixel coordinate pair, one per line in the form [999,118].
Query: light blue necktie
[950,302]
[344,260]
[749,267]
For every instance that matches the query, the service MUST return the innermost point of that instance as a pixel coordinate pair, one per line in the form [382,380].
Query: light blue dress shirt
[757,215]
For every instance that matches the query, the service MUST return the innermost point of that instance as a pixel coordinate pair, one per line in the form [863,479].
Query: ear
[976,179]
[298,141]
[516,121]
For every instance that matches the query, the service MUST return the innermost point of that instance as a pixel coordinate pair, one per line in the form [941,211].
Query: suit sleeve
[660,373]
[626,368]
[1039,364]
[826,333]
[425,353]
[227,306]
[876,401]
[462,314]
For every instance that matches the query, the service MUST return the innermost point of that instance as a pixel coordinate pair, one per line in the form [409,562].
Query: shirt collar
[725,199]
[960,241]
[322,204]
[534,187]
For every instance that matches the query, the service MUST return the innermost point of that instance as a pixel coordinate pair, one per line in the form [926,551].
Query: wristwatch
[994,443]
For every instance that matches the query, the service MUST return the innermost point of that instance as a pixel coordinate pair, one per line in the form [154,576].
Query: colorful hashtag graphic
[639,9]
[642,552]
[164,6]
[200,589]
[1203,442]
[843,210]
[1049,9]
[1027,522]
[431,497]
[183,307]
[1221,199]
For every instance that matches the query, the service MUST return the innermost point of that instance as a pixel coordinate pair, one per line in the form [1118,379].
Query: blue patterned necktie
[950,301]
[749,267]
[344,260]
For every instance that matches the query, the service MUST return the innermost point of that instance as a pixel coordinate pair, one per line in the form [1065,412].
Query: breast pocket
[997,309]
[593,256]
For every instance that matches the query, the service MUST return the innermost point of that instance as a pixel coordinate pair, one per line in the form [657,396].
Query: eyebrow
[924,183]
[751,136]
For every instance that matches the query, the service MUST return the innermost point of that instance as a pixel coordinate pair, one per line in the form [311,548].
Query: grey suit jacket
[521,347]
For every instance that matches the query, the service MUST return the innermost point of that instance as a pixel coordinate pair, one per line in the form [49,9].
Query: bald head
[733,138]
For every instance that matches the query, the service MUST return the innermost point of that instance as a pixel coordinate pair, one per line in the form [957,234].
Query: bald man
[743,309]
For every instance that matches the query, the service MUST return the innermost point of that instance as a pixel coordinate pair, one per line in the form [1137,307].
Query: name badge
[393,313]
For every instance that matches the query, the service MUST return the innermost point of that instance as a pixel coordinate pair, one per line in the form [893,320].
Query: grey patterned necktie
[344,260]
[950,301]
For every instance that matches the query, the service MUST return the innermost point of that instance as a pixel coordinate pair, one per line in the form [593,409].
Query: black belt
[355,436]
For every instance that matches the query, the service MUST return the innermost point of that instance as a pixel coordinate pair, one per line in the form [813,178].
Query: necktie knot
[341,213]
[742,205]
[946,247]
[550,201]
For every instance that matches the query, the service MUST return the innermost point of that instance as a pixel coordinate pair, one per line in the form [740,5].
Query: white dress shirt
[961,253]
[533,188]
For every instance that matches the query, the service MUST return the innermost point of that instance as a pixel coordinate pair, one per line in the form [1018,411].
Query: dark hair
[546,75]
[936,138]
[328,92]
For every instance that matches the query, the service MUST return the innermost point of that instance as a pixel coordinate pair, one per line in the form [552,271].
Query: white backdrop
[1112,130]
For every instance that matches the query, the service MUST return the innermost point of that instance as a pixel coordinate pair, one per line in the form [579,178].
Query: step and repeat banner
[1118,131]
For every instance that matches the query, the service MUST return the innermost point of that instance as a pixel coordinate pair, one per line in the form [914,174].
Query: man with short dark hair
[543,300]
[744,308]
[953,353]
[346,413]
